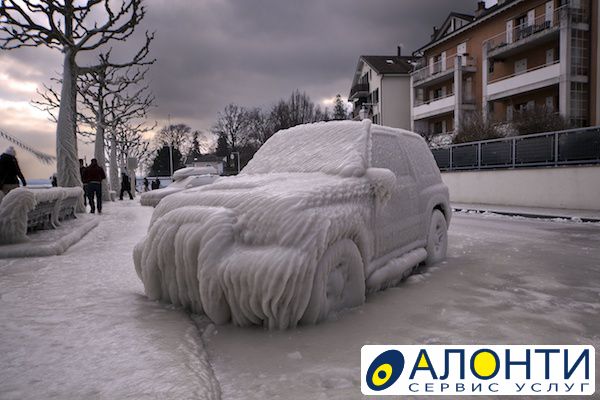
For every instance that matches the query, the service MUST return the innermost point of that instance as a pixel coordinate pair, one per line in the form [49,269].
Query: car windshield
[335,148]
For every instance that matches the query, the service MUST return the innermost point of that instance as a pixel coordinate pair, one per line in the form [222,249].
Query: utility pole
[170,146]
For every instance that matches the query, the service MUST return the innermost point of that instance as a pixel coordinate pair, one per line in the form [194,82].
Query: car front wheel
[437,239]
[339,282]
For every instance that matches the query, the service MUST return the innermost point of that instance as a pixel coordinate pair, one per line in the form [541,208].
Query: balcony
[543,29]
[359,90]
[434,107]
[441,70]
[532,79]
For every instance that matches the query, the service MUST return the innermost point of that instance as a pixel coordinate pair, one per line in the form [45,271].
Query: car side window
[386,152]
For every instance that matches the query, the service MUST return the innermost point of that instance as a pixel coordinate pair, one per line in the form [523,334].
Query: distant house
[206,160]
[381,90]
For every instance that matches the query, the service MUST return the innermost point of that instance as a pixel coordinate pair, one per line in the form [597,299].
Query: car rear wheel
[437,239]
[339,282]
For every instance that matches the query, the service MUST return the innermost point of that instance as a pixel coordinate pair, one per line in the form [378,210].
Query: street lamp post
[237,157]
[170,147]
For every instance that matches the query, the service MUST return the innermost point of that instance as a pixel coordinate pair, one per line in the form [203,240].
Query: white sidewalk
[532,212]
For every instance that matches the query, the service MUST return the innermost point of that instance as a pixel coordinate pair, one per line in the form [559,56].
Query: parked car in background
[321,215]
[184,178]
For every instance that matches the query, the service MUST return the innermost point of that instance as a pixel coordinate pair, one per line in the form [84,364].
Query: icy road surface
[78,326]
[506,281]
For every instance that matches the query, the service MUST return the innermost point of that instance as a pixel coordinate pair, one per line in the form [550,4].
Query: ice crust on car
[183,178]
[247,248]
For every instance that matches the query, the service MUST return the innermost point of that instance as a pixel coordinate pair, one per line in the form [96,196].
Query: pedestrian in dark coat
[146,184]
[83,181]
[125,186]
[156,184]
[94,175]
[10,173]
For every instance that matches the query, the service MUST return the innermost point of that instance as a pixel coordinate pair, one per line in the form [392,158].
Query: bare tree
[301,108]
[280,116]
[259,127]
[177,135]
[232,124]
[110,95]
[71,29]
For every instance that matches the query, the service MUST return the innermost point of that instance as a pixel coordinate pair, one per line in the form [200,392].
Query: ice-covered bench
[68,204]
[23,210]
[45,213]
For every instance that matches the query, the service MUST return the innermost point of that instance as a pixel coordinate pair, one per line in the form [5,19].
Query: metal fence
[573,146]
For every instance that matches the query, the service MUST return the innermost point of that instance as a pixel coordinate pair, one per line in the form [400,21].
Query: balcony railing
[535,78]
[441,68]
[541,25]
[501,78]
[359,88]
[420,102]
[573,146]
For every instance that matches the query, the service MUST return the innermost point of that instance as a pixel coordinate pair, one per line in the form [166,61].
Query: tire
[437,238]
[339,282]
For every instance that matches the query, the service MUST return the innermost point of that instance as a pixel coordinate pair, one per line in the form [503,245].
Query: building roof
[202,158]
[390,64]
[474,20]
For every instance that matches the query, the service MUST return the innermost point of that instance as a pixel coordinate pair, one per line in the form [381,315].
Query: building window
[438,127]
[509,113]
[550,104]
[549,56]
[521,107]
[579,52]
[520,66]
[579,104]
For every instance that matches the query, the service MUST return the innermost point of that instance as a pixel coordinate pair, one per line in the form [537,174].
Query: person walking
[125,185]
[94,175]
[156,183]
[146,184]
[10,173]
[81,171]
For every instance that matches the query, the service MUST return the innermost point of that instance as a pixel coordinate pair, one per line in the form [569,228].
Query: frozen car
[184,178]
[322,214]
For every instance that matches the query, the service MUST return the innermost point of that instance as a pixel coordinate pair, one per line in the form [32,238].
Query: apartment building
[514,56]
[381,90]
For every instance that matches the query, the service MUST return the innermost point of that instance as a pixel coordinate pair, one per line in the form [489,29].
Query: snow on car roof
[334,148]
[190,171]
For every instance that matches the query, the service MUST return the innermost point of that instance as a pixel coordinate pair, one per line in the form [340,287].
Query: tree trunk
[99,143]
[114,168]
[67,163]
[99,152]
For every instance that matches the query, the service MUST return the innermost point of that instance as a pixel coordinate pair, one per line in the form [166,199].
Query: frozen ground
[77,326]
[506,281]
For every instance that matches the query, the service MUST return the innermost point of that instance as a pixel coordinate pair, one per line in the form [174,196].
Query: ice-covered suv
[321,215]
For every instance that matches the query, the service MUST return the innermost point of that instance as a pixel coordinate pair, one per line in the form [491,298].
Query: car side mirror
[383,182]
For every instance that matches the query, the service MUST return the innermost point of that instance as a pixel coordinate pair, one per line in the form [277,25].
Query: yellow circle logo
[484,364]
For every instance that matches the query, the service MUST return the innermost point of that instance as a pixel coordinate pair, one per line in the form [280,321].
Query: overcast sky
[214,52]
